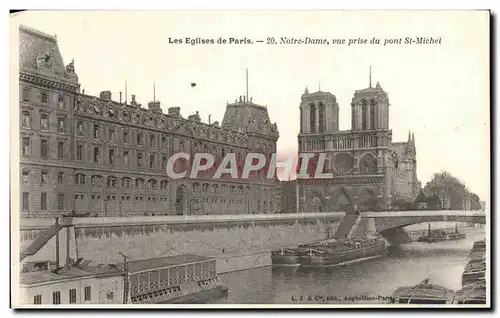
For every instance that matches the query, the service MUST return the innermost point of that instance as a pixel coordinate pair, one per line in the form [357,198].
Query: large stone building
[374,172]
[99,156]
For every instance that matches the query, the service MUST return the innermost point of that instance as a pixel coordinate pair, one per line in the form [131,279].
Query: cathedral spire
[370,76]
[409,136]
[413,140]
[306,91]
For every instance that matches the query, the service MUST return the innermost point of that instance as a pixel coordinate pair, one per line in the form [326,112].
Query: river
[367,282]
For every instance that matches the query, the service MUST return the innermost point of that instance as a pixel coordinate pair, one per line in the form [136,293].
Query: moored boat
[285,257]
[440,235]
[341,252]
[471,294]
[474,271]
[423,293]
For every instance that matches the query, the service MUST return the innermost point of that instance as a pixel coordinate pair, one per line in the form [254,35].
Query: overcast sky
[439,92]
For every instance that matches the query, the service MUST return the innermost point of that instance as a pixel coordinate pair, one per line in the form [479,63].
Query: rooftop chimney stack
[105,95]
[133,102]
[174,111]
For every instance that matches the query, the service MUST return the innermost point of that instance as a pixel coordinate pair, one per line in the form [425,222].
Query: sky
[440,92]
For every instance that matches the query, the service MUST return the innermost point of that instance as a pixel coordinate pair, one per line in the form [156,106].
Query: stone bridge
[238,241]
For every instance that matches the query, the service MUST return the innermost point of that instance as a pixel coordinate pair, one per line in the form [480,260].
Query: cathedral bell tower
[319,113]
[370,109]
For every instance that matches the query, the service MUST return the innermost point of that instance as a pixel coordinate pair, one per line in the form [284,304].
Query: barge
[471,294]
[423,293]
[341,252]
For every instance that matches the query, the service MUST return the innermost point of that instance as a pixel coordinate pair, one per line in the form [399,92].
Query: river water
[372,281]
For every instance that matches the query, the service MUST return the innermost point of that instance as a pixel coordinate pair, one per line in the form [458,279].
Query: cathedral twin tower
[368,168]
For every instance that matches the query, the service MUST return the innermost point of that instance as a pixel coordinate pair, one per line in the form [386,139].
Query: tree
[450,191]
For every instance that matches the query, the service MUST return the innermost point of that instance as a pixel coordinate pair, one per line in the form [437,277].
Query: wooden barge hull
[323,258]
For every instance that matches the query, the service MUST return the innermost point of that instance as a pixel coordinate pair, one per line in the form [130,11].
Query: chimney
[120,97]
[133,102]
[105,95]
[174,111]
[155,106]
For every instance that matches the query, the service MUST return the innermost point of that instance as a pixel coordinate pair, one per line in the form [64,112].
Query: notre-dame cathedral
[370,171]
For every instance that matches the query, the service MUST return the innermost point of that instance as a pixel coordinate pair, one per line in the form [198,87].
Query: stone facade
[102,157]
[374,172]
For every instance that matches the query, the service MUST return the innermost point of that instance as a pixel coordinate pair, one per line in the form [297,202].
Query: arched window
[79,178]
[205,187]
[152,183]
[364,114]
[139,183]
[372,114]
[321,118]
[163,184]
[312,118]
[301,119]
[126,182]
[111,181]
[196,187]
[96,180]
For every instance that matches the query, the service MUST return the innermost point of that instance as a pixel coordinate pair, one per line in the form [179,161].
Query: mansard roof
[246,116]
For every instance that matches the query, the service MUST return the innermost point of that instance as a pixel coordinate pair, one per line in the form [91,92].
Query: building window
[139,183]
[56,298]
[44,178]
[26,120]
[79,105]
[72,296]
[151,161]
[26,146]
[26,203]
[79,152]
[60,150]
[44,122]
[111,182]
[44,148]
[364,115]
[151,184]
[163,141]
[61,102]
[26,176]
[126,182]
[164,162]
[152,140]
[96,131]
[125,137]
[26,94]
[87,293]
[37,300]
[60,125]
[43,201]
[96,180]
[79,128]
[60,201]
[79,178]
[96,154]
[163,184]
[125,157]
[45,99]
[312,118]
[139,159]
[111,156]
[111,134]
[139,139]
[181,145]
[60,177]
